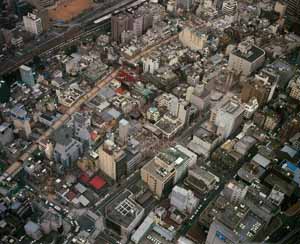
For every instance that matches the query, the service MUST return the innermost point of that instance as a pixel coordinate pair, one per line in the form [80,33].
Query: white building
[246,58]
[123,130]
[227,116]
[184,200]
[33,24]
[150,65]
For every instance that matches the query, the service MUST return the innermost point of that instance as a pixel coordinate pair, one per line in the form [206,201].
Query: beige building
[167,168]
[110,160]
[246,58]
[158,176]
[295,88]
[194,39]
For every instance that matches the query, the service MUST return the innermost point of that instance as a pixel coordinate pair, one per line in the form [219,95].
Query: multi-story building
[82,129]
[6,133]
[166,169]
[150,65]
[136,24]
[123,214]
[119,24]
[67,150]
[184,200]
[235,192]
[110,160]
[194,39]
[27,75]
[185,5]
[123,131]
[227,115]
[21,119]
[235,225]
[246,58]
[204,142]
[261,88]
[294,88]
[33,24]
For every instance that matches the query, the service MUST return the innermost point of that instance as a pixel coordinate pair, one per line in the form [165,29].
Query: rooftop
[123,210]
[251,54]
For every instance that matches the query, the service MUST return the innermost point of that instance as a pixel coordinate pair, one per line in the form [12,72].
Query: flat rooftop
[172,155]
[251,55]
[206,135]
[123,210]
[157,171]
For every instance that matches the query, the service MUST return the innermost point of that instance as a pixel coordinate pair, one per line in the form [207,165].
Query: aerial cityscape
[149,121]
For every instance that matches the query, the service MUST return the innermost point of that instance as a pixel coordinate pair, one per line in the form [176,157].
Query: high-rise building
[260,88]
[235,192]
[136,24]
[67,150]
[33,24]
[119,24]
[167,168]
[227,116]
[27,75]
[123,130]
[185,5]
[246,59]
[110,160]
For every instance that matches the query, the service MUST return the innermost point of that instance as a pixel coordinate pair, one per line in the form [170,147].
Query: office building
[158,177]
[110,160]
[201,180]
[123,131]
[184,200]
[6,133]
[82,129]
[123,214]
[204,142]
[142,230]
[136,24]
[235,191]
[21,120]
[235,225]
[260,88]
[246,58]
[119,24]
[27,75]
[67,150]
[166,169]
[227,115]
[185,5]
[33,24]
